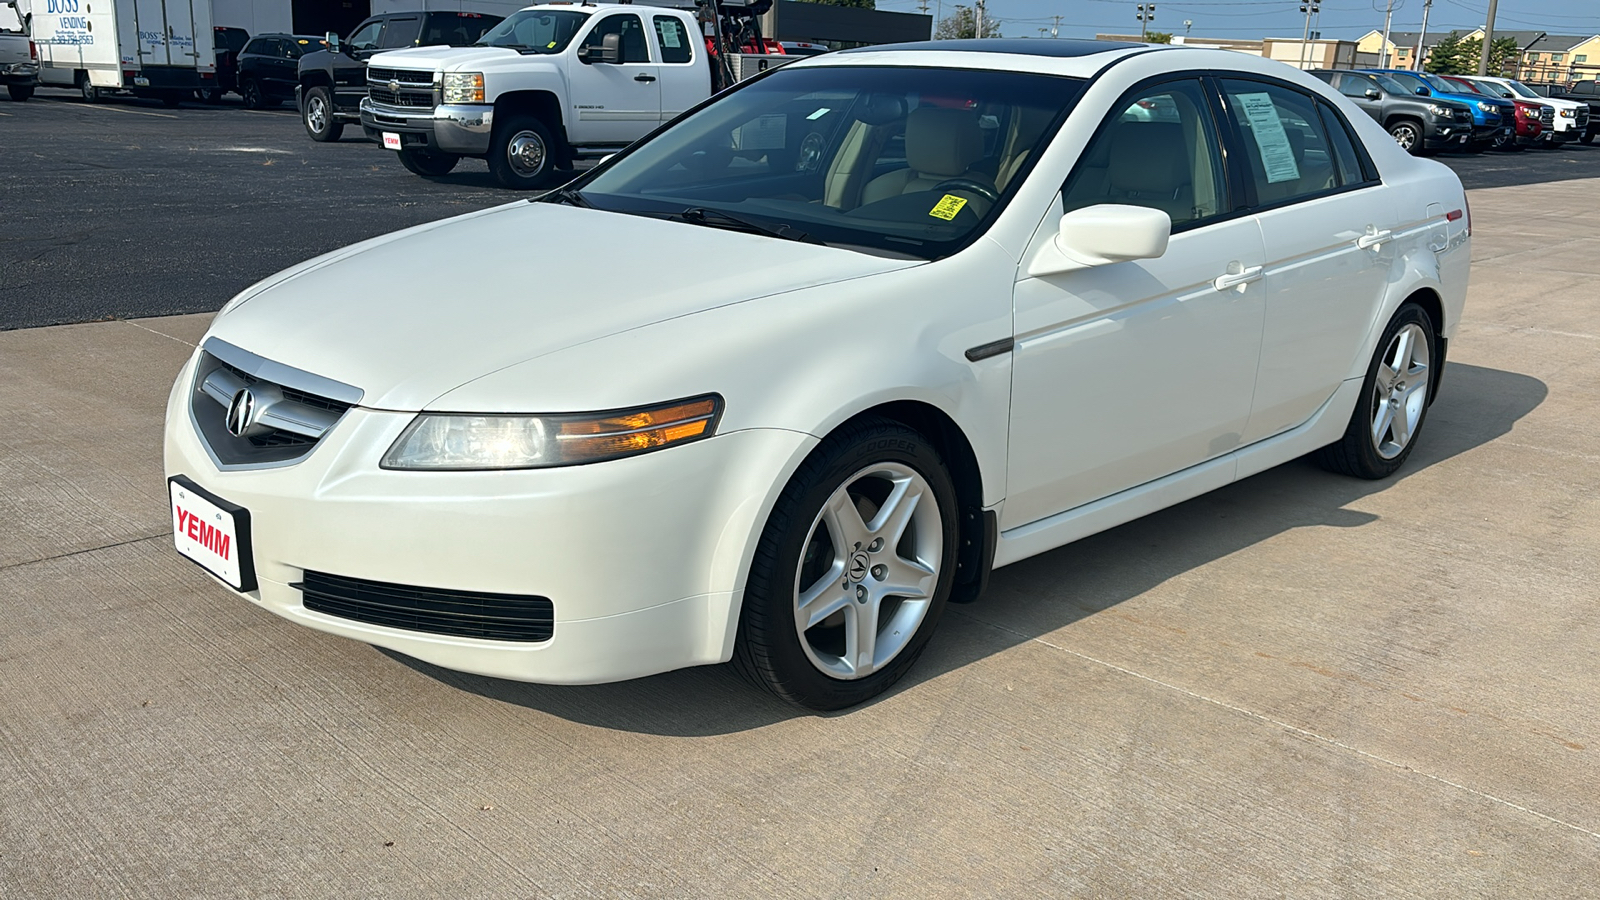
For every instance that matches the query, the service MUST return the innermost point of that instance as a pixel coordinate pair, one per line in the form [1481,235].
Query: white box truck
[153,48]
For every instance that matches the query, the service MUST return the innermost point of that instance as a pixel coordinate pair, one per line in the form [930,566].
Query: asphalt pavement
[125,209]
[1301,685]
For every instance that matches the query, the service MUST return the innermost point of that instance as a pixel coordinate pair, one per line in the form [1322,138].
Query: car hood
[439,58]
[409,316]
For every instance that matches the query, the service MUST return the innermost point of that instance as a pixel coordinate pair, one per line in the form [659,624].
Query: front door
[1128,372]
[614,103]
[1355,86]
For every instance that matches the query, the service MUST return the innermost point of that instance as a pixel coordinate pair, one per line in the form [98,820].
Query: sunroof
[1058,49]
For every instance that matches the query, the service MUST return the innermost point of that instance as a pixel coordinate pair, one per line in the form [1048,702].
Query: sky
[1254,19]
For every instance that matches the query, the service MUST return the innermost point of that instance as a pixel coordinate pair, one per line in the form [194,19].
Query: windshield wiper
[569,196]
[716,218]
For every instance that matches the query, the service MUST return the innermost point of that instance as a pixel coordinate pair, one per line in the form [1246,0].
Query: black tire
[87,90]
[1408,134]
[1588,137]
[213,95]
[316,114]
[19,92]
[770,651]
[1506,144]
[251,92]
[428,165]
[171,100]
[516,140]
[1357,453]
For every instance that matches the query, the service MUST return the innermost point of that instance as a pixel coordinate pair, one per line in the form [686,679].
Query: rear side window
[1285,143]
[402,32]
[1341,146]
[1159,149]
[674,38]
[259,45]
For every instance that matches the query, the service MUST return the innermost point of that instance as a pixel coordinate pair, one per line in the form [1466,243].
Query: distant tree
[1449,57]
[963,23]
[1157,37]
[860,4]
[1502,54]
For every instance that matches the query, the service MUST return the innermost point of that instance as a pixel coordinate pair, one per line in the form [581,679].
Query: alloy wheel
[868,571]
[317,114]
[1400,391]
[1405,136]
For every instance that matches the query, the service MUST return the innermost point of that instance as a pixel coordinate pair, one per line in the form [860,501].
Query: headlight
[463,87]
[454,441]
[1567,113]
[1486,107]
[1442,112]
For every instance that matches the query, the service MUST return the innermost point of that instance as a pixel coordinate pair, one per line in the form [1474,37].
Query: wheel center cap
[858,566]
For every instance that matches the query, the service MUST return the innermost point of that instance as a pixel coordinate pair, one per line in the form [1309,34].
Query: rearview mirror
[1102,235]
[609,51]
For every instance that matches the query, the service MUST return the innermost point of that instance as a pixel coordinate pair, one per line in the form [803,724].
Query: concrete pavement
[1301,685]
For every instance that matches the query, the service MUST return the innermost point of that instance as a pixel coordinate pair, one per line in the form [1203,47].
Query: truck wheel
[171,100]
[86,88]
[1588,137]
[522,153]
[21,92]
[428,165]
[1407,135]
[316,114]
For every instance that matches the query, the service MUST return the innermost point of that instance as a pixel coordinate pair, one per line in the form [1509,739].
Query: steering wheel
[970,184]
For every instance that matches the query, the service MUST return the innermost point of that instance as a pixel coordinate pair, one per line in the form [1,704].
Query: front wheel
[1394,400]
[853,569]
[522,153]
[1408,136]
[1588,136]
[428,165]
[19,92]
[316,113]
[251,92]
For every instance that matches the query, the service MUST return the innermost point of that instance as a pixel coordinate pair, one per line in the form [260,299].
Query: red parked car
[1531,118]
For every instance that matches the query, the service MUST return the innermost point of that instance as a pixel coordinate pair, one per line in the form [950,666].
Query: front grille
[500,617]
[1547,118]
[1462,115]
[1582,117]
[282,418]
[400,87]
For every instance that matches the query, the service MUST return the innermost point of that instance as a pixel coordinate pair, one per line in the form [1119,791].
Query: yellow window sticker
[947,208]
[550,45]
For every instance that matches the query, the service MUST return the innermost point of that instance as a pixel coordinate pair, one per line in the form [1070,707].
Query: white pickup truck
[19,59]
[549,85]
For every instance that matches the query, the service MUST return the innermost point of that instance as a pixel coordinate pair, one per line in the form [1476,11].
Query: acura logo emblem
[241,413]
[858,567]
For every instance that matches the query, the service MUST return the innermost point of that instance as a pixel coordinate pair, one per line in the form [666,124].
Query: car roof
[1055,49]
[1071,58]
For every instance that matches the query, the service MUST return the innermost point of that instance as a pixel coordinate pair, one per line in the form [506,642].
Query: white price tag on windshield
[764,133]
[1277,155]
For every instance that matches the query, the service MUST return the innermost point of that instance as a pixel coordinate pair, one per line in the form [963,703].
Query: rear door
[150,21]
[182,48]
[685,78]
[1328,226]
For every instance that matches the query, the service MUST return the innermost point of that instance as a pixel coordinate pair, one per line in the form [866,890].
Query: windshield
[535,31]
[911,162]
[1521,89]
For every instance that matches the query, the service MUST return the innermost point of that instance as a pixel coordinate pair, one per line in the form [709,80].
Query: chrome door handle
[1235,279]
[1374,238]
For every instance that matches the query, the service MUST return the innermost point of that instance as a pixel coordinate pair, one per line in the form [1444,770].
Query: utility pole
[1309,9]
[1422,37]
[980,19]
[1187,24]
[1383,53]
[1055,27]
[1147,14]
[1488,40]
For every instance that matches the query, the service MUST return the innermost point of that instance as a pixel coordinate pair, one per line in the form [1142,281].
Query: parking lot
[1299,685]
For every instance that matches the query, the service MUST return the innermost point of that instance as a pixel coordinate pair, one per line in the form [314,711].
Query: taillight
[33,50]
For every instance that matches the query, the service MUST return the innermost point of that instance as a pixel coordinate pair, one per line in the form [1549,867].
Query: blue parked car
[1492,118]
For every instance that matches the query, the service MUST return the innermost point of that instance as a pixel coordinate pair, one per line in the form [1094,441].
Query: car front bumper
[448,128]
[643,558]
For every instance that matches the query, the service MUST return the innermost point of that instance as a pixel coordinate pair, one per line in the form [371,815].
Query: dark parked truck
[1582,92]
[1416,123]
[334,81]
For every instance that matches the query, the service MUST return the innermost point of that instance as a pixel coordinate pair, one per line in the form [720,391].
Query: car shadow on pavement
[1025,601]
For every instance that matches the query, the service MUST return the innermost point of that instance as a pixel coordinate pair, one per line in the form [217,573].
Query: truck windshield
[535,31]
[905,161]
[1521,89]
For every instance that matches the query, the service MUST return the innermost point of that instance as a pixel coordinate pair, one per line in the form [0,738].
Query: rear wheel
[316,113]
[428,165]
[522,154]
[19,92]
[171,99]
[86,89]
[1408,135]
[251,92]
[853,569]
[1394,400]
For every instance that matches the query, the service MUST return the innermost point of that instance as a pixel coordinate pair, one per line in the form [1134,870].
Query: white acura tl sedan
[780,381]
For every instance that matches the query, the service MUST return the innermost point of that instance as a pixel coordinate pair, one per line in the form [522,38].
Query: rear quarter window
[674,38]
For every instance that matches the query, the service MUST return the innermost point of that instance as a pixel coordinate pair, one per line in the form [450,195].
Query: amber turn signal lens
[637,430]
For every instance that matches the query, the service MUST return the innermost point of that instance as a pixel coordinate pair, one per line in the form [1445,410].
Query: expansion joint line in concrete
[45,559]
[1297,730]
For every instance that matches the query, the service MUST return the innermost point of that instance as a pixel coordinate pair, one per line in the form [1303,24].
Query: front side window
[897,161]
[1356,86]
[675,44]
[1158,150]
[366,37]
[1284,140]
[1411,82]
[535,31]
[635,46]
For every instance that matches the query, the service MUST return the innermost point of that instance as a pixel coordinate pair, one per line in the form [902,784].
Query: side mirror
[1422,92]
[609,51]
[1374,94]
[333,41]
[1102,235]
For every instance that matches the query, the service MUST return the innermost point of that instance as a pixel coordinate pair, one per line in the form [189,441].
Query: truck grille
[400,87]
[252,412]
[1582,117]
[1547,117]
[1462,116]
[500,617]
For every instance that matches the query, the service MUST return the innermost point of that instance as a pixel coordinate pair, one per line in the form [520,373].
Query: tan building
[1541,56]
[1321,53]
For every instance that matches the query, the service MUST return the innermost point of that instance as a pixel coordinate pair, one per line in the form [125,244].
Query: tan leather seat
[941,144]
